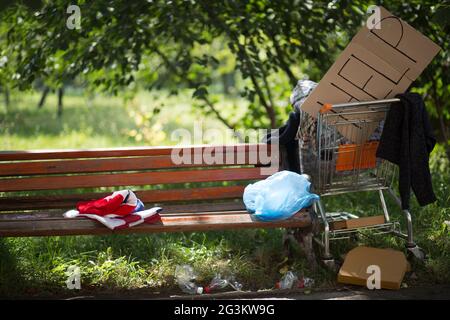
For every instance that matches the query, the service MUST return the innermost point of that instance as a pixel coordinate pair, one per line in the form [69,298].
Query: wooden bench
[36,187]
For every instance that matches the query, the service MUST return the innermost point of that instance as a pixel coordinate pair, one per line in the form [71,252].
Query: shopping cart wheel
[417,253]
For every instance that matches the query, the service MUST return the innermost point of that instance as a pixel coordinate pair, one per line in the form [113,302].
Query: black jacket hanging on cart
[407,141]
[287,143]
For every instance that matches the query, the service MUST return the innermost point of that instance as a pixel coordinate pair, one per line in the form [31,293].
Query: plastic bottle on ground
[305,282]
[234,284]
[288,280]
[218,283]
[185,275]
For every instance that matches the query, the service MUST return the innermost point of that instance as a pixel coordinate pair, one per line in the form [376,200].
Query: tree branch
[246,59]
[283,64]
[269,108]
[205,99]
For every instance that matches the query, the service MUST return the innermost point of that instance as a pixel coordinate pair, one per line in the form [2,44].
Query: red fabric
[153,219]
[108,205]
[134,218]
[130,218]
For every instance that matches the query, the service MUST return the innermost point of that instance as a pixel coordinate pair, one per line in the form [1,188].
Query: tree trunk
[7,98]
[60,101]
[43,97]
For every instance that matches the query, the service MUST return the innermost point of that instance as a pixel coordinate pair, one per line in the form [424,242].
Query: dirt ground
[434,292]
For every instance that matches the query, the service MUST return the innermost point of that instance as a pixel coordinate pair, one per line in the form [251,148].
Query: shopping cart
[340,159]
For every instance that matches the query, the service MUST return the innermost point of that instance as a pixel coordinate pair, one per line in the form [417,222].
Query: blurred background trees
[255,49]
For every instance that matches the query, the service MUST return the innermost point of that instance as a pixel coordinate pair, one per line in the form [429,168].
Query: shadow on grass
[12,281]
[146,263]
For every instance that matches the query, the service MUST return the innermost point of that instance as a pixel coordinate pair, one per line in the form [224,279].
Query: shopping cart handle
[326,107]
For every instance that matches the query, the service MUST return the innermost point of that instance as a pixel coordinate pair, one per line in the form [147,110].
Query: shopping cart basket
[341,159]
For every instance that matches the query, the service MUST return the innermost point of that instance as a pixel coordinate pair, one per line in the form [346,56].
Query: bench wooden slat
[146,196]
[110,165]
[116,152]
[84,166]
[53,214]
[128,179]
[42,170]
[170,223]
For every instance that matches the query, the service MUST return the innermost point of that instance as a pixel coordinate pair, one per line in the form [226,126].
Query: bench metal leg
[326,231]
[304,237]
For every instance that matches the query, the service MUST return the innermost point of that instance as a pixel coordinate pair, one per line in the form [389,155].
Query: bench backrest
[49,179]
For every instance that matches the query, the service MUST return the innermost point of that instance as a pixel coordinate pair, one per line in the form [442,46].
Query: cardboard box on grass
[377,64]
[392,263]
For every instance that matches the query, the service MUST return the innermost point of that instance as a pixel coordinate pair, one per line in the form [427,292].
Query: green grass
[103,121]
[36,266]
[134,261]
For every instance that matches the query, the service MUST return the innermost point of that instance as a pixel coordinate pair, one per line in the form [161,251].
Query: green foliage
[192,44]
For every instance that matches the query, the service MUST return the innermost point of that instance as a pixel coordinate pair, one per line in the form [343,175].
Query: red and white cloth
[120,210]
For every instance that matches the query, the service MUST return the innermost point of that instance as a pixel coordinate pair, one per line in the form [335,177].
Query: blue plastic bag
[279,197]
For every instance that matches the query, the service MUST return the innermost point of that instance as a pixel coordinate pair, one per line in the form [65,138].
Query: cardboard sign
[377,64]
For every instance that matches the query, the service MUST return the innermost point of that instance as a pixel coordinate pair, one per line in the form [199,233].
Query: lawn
[36,266]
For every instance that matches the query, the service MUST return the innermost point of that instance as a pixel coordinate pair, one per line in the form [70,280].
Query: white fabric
[115,221]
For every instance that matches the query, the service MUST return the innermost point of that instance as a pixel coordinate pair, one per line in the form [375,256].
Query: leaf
[441,16]
[295,41]
[200,93]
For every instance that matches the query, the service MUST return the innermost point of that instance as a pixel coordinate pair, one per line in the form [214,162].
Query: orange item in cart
[356,156]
